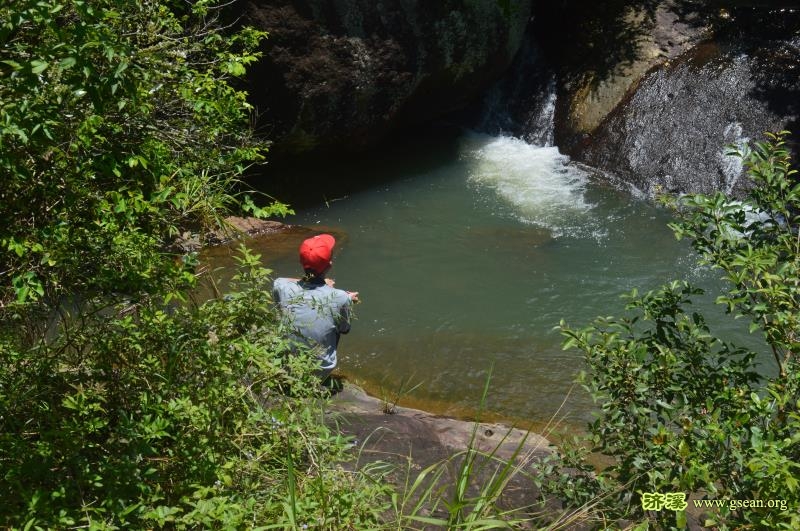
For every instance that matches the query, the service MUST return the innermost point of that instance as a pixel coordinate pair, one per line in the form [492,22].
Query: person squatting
[315,311]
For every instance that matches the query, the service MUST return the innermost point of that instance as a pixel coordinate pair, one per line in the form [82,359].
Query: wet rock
[342,74]
[237,227]
[661,37]
[600,51]
[448,433]
[671,133]
[249,226]
[652,92]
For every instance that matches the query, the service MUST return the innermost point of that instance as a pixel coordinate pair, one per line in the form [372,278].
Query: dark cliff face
[649,90]
[671,133]
[341,74]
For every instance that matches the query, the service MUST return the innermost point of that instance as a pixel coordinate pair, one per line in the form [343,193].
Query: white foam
[732,166]
[537,182]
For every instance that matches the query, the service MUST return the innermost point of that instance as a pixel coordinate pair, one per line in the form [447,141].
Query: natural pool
[466,259]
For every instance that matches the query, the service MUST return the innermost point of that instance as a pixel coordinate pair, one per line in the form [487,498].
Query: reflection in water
[466,264]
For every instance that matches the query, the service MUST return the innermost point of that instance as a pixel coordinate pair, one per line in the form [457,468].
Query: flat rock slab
[363,414]
[410,441]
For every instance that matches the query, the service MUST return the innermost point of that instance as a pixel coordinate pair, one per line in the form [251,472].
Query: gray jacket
[316,312]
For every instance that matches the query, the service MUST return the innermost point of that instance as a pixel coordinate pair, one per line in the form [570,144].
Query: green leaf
[121,67]
[428,520]
[22,294]
[235,68]
[13,64]
[67,62]
[37,66]
[17,247]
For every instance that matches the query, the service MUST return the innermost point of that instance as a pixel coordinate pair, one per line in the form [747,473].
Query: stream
[467,252]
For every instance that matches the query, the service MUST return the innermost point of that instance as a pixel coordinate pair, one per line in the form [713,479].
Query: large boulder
[578,62]
[411,441]
[342,74]
[653,92]
[601,50]
[672,133]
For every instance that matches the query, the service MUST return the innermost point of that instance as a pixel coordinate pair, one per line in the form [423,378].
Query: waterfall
[731,167]
[540,126]
[523,103]
[514,157]
[537,183]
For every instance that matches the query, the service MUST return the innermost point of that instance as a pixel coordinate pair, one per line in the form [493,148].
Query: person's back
[317,313]
[312,308]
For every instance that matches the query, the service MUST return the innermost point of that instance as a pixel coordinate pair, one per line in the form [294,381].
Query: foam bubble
[538,183]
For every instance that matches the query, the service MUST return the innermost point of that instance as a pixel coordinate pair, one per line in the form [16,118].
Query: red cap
[316,252]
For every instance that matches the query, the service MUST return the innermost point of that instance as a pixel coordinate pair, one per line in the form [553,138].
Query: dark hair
[310,274]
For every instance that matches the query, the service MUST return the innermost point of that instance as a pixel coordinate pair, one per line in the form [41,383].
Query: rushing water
[467,258]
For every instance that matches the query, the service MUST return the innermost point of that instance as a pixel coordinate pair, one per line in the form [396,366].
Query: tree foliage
[197,417]
[120,406]
[118,128]
[682,411]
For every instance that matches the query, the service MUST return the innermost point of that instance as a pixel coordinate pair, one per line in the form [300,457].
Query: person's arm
[352,294]
[343,322]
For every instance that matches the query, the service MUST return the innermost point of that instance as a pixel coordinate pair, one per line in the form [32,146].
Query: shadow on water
[321,180]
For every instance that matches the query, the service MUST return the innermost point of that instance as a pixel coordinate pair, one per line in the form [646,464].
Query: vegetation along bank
[126,402]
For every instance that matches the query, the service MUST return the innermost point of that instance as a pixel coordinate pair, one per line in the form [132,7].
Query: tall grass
[429,499]
[466,490]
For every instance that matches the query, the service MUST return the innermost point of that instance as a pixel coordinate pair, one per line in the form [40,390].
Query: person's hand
[353,296]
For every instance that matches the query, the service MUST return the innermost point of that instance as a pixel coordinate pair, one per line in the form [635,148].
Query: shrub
[681,411]
[140,416]
[119,129]
[122,402]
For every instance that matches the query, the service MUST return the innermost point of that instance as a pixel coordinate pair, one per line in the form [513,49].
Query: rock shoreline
[237,228]
[450,434]
[413,441]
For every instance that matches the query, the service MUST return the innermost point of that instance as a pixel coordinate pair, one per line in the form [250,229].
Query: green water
[466,258]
